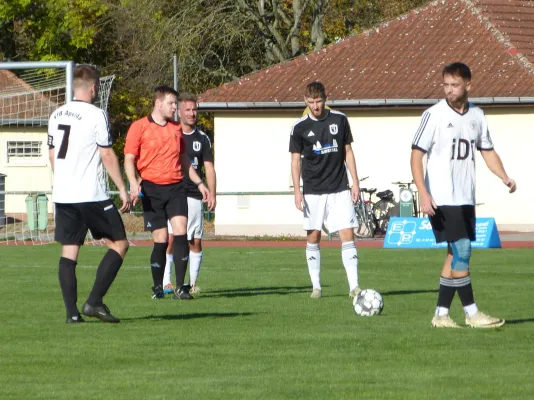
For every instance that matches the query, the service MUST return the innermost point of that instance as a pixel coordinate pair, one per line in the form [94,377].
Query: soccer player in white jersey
[320,147]
[200,153]
[80,147]
[448,135]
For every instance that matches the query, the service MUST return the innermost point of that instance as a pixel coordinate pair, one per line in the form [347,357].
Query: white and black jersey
[322,146]
[199,150]
[75,131]
[450,140]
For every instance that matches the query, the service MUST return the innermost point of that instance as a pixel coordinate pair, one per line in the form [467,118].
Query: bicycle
[373,217]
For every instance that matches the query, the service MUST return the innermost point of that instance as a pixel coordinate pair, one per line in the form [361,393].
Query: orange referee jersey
[157,149]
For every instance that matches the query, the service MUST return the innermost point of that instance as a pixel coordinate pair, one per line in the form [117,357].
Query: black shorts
[162,202]
[452,223]
[100,217]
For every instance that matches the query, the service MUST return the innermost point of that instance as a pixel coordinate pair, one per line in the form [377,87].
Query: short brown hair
[457,69]
[315,89]
[185,96]
[161,91]
[85,76]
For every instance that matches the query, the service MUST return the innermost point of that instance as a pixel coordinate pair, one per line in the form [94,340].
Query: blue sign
[416,233]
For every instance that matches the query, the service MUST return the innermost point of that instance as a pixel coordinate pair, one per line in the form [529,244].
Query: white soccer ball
[368,303]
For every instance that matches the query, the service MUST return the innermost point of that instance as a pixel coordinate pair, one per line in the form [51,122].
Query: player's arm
[51,157]
[190,172]
[350,161]
[494,163]
[111,162]
[131,170]
[51,147]
[132,148]
[422,142]
[296,146]
[295,177]
[211,177]
[418,173]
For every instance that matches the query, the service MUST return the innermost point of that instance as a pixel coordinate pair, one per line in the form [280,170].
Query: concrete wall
[251,155]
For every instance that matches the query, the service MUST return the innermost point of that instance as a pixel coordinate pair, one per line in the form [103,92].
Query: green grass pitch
[254,332]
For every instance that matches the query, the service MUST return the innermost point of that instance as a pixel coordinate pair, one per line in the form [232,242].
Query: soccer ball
[368,303]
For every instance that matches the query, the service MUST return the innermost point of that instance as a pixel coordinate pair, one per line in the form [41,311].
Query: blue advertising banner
[416,233]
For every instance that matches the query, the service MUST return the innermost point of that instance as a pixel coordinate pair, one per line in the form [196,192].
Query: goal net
[29,93]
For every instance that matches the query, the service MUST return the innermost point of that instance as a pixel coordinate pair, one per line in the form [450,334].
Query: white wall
[33,175]
[251,155]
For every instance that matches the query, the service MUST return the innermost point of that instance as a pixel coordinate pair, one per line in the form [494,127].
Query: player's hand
[205,193]
[212,202]
[126,203]
[428,205]
[355,193]
[135,190]
[299,201]
[510,183]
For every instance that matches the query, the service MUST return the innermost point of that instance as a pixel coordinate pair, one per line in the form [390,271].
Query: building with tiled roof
[400,61]
[383,79]
[20,104]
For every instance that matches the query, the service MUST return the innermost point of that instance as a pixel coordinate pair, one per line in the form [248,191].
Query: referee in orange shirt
[155,161]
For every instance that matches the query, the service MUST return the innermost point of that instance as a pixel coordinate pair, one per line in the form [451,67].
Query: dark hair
[85,75]
[161,91]
[457,69]
[185,96]
[315,89]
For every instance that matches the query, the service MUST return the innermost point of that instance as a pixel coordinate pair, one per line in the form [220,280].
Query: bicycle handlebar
[403,183]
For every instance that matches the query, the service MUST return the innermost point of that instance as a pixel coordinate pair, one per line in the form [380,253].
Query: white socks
[349,254]
[168,270]
[441,311]
[195,259]
[313,257]
[471,309]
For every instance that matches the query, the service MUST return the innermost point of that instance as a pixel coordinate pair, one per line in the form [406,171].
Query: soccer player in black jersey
[320,147]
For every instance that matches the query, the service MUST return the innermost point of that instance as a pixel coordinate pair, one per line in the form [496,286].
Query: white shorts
[335,210]
[195,220]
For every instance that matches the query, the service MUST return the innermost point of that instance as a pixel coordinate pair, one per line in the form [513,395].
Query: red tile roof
[27,106]
[403,58]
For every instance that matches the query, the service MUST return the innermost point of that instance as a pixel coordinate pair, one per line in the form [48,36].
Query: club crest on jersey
[197,146]
[333,129]
[473,125]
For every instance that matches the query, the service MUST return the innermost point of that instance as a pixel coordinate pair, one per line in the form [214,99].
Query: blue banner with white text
[416,233]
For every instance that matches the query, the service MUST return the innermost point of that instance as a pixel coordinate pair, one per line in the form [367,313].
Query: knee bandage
[461,254]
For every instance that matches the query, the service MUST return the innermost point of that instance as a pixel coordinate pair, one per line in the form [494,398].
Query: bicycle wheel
[364,229]
[383,210]
[371,220]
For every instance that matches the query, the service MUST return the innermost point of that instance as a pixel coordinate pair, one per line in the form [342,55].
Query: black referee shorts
[100,217]
[162,202]
[452,223]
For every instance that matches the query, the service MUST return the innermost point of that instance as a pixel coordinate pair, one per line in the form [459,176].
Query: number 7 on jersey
[62,153]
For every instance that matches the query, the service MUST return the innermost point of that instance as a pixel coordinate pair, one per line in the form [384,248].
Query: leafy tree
[44,30]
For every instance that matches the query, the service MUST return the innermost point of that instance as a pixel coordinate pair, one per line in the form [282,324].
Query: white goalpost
[29,93]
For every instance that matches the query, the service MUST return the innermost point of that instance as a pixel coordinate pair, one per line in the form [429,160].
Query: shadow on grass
[257,291]
[518,321]
[403,292]
[168,317]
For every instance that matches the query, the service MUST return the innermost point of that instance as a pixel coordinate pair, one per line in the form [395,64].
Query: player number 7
[65,142]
